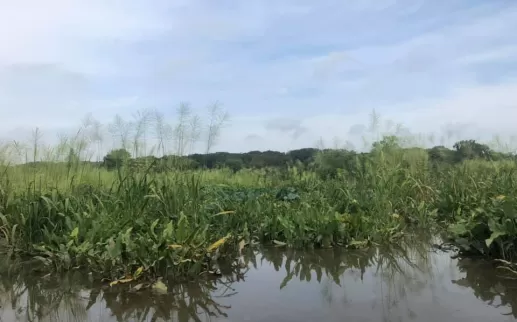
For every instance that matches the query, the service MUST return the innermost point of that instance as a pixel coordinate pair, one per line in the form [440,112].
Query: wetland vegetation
[142,212]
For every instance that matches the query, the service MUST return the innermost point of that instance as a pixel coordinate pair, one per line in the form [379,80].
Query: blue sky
[289,72]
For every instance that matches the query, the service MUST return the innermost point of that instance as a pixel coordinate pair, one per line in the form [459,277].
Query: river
[411,283]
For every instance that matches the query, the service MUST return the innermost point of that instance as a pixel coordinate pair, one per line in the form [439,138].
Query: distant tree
[328,161]
[116,158]
[387,143]
[305,156]
[441,154]
[234,164]
[258,161]
[470,149]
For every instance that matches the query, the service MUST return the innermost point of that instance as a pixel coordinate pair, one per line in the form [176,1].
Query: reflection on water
[413,283]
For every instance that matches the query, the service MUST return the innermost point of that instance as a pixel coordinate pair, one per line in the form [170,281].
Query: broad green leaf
[168,231]
[74,232]
[458,229]
[138,272]
[493,237]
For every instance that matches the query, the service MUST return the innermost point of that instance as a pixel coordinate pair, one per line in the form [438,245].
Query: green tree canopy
[116,158]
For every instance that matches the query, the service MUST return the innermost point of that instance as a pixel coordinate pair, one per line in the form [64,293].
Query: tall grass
[125,224]
[166,223]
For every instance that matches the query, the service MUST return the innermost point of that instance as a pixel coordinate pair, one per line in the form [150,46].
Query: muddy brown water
[414,283]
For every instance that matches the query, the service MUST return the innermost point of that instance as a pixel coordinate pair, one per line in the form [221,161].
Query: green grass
[113,223]
[134,224]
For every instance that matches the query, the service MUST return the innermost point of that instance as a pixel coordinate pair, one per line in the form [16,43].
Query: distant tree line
[326,160]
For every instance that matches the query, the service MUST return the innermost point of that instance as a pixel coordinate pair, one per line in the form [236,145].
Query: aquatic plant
[127,221]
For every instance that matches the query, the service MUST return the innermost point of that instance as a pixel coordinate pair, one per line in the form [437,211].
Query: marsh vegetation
[150,208]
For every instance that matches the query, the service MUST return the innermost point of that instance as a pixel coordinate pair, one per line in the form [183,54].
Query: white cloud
[36,31]
[322,66]
[502,54]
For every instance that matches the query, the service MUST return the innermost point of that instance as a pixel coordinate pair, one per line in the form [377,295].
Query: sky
[290,73]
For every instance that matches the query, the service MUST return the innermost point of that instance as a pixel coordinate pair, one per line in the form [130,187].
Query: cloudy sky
[289,72]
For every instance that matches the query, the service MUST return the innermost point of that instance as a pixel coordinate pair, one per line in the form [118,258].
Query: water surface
[415,283]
